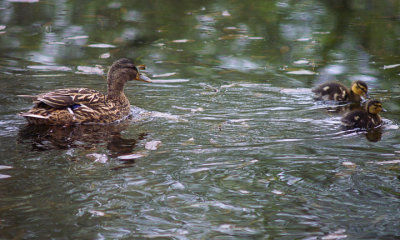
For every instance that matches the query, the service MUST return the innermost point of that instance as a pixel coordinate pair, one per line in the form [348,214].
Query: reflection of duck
[364,119]
[83,105]
[335,91]
[44,137]
[341,109]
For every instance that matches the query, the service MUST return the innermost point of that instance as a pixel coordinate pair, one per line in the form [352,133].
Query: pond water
[226,143]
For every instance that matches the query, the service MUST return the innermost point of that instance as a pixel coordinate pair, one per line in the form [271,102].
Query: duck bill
[383,110]
[365,96]
[143,78]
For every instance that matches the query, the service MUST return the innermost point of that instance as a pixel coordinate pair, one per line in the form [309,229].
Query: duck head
[124,68]
[360,88]
[374,107]
[120,72]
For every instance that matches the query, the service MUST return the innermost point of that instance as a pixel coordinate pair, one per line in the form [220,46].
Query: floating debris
[232,36]
[302,72]
[255,38]
[177,186]
[152,145]
[169,80]
[277,192]
[78,37]
[193,110]
[391,66]
[209,87]
[105,55]
[339,234]
[101,158]
[231,29]
[90,70]
[101,45]
[97,213]
[56,43]
[164,75]
[3,167]
[3,176]
[225,13]
[349,164]
[49,68]
[24,1]
[388,162]
[301,62]
[182,40]
[303,39]
[133,156]
[190,141]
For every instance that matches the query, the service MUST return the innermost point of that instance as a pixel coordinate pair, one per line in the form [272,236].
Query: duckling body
[86,106]
[364,119]
[335,91]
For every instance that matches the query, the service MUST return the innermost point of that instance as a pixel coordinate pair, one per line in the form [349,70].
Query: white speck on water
[77,37]
[152,145]
[101,45]
[301,62]
[101,158]
[3,167]
[132,156]
[182,40]
[277,192]
[391,66]
[164,75]
[105,55]
[49,68]
[388,162]
[225,13]
[3,176]
[302,72]
[90,70]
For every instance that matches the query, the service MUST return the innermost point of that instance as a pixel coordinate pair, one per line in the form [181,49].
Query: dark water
[227,143]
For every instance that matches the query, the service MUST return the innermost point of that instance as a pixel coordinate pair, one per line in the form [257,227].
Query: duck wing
[63,98]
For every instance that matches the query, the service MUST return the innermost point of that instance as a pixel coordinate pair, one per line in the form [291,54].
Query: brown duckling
[335,91]
[364,119]
[86,106]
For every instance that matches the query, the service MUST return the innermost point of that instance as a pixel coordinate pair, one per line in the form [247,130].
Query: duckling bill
[364,119]
[335,91]
[86,106]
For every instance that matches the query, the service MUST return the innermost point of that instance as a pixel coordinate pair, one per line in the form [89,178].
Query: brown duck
[335,91]
[86,106]
[364,119]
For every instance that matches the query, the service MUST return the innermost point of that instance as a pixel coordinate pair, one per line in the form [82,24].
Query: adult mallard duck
[364,119]
[335,91]
[86,106]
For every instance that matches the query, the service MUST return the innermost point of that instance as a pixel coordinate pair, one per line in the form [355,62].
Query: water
[227,143]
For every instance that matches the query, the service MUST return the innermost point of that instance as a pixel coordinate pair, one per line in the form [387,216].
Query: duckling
[336,91]
[86,106]
[364,119]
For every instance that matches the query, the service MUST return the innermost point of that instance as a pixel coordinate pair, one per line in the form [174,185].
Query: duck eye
[131,68]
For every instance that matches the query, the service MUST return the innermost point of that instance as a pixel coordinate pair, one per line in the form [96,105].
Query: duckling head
[374,107]
[360,88]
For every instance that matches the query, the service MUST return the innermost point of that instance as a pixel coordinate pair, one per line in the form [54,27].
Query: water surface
[245,152]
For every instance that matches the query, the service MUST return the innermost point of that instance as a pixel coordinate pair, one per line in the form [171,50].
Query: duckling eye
[361,87]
